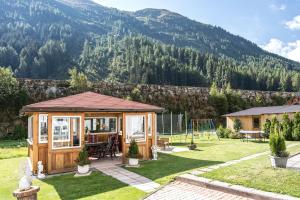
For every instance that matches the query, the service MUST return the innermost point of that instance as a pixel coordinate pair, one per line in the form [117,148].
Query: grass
[209,152]
[258,173]
[12,149]
[95,186]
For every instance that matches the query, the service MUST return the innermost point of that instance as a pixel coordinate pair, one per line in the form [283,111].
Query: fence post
[171,126]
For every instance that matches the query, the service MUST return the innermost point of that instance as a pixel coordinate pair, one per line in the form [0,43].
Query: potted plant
[83,162]
[133,154]
[279,155]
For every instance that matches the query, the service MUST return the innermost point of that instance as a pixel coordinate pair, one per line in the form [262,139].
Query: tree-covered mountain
[44,38]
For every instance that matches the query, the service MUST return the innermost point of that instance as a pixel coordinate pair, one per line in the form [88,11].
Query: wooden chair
[163,142]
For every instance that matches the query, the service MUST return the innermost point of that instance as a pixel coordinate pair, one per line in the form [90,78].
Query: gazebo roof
[90,102]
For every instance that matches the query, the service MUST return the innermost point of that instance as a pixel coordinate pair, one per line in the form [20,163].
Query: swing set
[201,127]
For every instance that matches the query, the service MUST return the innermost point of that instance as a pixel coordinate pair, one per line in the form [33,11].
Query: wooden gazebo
[58,129]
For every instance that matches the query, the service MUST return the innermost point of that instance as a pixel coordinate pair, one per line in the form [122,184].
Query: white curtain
[135,128]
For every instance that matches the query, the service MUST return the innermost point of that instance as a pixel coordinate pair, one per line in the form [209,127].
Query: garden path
[112,168]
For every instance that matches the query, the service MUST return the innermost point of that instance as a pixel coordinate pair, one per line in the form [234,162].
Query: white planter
[83,169]
[278,161]
[133,161]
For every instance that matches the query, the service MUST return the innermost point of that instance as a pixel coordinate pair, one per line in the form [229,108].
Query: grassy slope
[258,173]
[209,152]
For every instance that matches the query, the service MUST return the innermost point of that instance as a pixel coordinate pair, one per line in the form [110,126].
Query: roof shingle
[90,101]
[266,110]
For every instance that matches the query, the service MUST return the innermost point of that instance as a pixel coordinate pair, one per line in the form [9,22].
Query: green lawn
[258,173]
[209,152]
[99,186]
[96,186]
[12,149]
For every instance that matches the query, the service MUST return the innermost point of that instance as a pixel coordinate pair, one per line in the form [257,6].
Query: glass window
[43,128]
[61,134]
[150,124]
[30,131]
[102,124]
[135,128]
[256,122]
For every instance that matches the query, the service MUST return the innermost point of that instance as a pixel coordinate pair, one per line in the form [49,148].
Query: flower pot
[83,169]
[133,161]
[278,161]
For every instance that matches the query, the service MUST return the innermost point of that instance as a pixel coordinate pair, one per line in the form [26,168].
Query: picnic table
[244,134]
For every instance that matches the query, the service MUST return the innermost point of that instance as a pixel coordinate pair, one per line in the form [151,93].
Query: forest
[43,40]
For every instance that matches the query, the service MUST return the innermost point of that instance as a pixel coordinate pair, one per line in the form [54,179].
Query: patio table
[246,134]
[96,148]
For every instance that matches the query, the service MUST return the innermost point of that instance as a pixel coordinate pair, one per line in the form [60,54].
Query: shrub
[227,133]
[267,128]
[277,145]
[237,125]
[275,125]
[221,131]
[287,128]
[234,135]
[296,127]
[83,158]
[133,151]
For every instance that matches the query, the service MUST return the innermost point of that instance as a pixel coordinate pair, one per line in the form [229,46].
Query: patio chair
[163,142]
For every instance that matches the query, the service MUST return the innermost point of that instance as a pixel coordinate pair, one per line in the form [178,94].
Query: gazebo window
[62,134]
[43,128]
[30,131]
[101,124]
[135,128]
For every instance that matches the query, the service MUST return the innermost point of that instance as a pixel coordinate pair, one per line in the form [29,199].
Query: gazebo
[58,129]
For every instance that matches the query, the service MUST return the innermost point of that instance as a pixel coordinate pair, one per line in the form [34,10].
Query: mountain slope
[43,39]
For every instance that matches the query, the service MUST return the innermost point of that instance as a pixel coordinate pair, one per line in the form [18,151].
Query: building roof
[266,110]
[90,102]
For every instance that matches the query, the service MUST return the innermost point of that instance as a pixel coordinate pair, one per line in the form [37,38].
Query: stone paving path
[111,168]
[294,162]
[178,190]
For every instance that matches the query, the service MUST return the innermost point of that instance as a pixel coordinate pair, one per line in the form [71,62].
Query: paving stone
[183,191]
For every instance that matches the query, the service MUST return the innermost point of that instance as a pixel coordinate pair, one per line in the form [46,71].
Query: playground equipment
[202,127]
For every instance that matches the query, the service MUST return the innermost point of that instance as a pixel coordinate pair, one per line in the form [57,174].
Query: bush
[287,129]
[133,151]
[277,145]
[221,131]
[237,125]
[83,158]
[267,128]
[234,135]
[227,133]
[296,127]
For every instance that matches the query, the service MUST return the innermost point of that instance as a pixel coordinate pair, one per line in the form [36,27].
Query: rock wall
[175,98]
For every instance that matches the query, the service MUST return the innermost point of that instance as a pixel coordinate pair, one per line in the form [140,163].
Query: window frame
[80,132]
[103,132]
[43,142]
[30,128]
